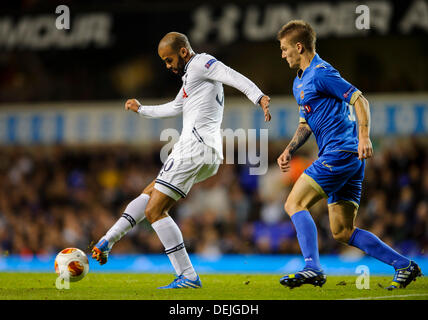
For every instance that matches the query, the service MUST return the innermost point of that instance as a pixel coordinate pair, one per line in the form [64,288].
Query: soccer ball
[71,264]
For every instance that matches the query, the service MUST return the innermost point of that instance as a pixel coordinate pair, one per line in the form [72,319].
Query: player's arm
[218,71]
[329,81]
[301,135]
[362,111]
[166,110]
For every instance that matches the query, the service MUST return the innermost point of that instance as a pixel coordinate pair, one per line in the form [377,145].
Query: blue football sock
[308,238]
[373,246]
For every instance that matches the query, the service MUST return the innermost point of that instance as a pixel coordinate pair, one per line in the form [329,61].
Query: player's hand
[264,103]
[365,148]
[284,161]
[132,104]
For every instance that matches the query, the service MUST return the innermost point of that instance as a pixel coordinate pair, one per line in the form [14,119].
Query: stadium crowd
[57,197]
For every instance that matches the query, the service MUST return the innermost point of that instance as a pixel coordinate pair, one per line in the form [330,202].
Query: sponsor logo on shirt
[321,65]
[307,108]
[302,94]
[184,93]
[209,63]
[346,94]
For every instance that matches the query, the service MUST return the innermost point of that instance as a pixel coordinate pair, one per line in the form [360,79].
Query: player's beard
[180,66]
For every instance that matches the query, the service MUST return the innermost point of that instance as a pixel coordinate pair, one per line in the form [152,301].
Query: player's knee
[291,207]
[148,190]
[287,208]
[153,213]
[153,216]
[342,235]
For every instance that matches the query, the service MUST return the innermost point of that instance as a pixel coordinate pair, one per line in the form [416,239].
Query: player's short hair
[299,31]
[176,41]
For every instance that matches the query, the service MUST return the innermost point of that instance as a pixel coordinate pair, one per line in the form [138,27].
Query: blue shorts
[337,176]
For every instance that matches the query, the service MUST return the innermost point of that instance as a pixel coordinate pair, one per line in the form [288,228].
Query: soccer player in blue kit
[326,103]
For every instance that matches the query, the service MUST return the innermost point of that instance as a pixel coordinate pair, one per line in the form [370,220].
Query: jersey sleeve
[302,118]
[212,69]
[328,81]
[166,110]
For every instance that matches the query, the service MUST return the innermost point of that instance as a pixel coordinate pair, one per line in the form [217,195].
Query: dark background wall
[119,58]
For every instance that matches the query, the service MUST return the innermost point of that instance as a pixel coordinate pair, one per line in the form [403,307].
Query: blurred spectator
[57,197]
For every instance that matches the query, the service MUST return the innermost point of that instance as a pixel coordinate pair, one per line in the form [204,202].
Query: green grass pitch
[142,286]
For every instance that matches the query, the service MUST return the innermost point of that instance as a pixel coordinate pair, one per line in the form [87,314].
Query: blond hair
[299,31]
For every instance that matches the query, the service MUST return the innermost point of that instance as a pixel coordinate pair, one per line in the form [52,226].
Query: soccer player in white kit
[195,157]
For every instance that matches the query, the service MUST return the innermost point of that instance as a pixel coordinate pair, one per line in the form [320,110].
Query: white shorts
[185,166]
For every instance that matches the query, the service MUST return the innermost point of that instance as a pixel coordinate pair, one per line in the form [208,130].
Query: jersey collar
[314,60]
[187,64]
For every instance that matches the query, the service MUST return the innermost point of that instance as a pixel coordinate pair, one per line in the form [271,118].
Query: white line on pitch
[389,297]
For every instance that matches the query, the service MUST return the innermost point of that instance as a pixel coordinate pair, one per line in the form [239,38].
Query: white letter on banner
[63,21]
[362,21]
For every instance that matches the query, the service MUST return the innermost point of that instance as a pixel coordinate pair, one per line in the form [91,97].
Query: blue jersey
[325,102]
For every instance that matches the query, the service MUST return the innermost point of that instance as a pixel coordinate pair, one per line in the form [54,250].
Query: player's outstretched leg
[406,270]
[342,215]
[134,213]
[404,276]
[101,251]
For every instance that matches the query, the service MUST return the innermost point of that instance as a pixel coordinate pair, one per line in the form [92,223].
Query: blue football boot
[182,282]
[307,275]
[404,276]
[100,251]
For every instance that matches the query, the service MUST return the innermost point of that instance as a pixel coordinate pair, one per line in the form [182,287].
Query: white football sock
[172,239]
[134,213]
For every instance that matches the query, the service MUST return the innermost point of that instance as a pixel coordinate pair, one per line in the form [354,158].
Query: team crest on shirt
[307,108]
[302,94]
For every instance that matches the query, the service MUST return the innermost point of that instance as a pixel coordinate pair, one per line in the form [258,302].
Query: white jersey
[201,100]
